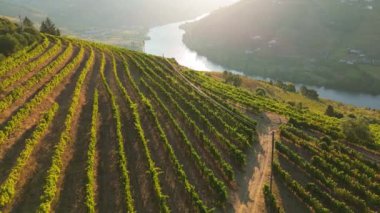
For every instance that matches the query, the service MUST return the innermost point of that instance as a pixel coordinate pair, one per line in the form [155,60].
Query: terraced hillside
[314,161]
[90,127]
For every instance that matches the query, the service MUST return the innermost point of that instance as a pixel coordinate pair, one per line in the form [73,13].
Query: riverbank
[317,106]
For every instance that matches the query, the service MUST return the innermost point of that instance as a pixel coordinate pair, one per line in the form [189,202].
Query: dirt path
[249,198]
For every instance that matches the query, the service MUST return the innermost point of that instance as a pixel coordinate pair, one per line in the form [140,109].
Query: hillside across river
[333,43]
[167,41]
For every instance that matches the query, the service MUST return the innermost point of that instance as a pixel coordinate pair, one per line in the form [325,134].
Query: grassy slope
[311,37]
[314,106]
[375,129]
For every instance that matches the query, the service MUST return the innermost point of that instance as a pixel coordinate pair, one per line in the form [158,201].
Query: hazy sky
[112,13]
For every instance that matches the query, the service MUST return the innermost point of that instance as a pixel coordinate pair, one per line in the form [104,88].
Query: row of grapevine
[8,187]
[270,201]
[319,122]
[17,120]
[177,165]
[341,154]
[233,111]
[182,174]
[18,92]
[242,138]
[347,181]
[332,203]
[123,161]
[348,165]
[199,133]
[91,157]
[237,119]
[54,172]
[236,153]
[23,56]
[48,55]
[215,183]
[330,184]
[138,127]
[300,191]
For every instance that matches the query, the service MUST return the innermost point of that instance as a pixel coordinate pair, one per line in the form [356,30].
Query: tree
[27,23]
[332,113]
[291,87]
[8,44]
[48,27]
[13,37]
[231,78]
[7,26]
[309,93]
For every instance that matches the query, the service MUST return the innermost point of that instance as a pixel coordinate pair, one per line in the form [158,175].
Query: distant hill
[79,14]
[326,42]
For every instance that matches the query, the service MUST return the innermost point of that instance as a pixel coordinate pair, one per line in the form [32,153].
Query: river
[167,41]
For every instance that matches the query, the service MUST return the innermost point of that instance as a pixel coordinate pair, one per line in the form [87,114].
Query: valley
[102,128]
[115,110]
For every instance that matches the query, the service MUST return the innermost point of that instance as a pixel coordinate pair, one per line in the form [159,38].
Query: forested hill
[332,43]
[88,127]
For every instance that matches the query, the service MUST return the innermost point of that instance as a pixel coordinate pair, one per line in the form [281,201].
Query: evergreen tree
[43,28]
[330,111]
[49,27]
[27,23]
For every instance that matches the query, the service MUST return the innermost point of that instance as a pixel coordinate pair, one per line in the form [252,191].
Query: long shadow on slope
[74,182]
[29,198]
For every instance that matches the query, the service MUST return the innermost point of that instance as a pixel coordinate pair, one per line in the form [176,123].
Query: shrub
[289,87]
[309,93]
[260,92]
[357,131]
[330,111]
